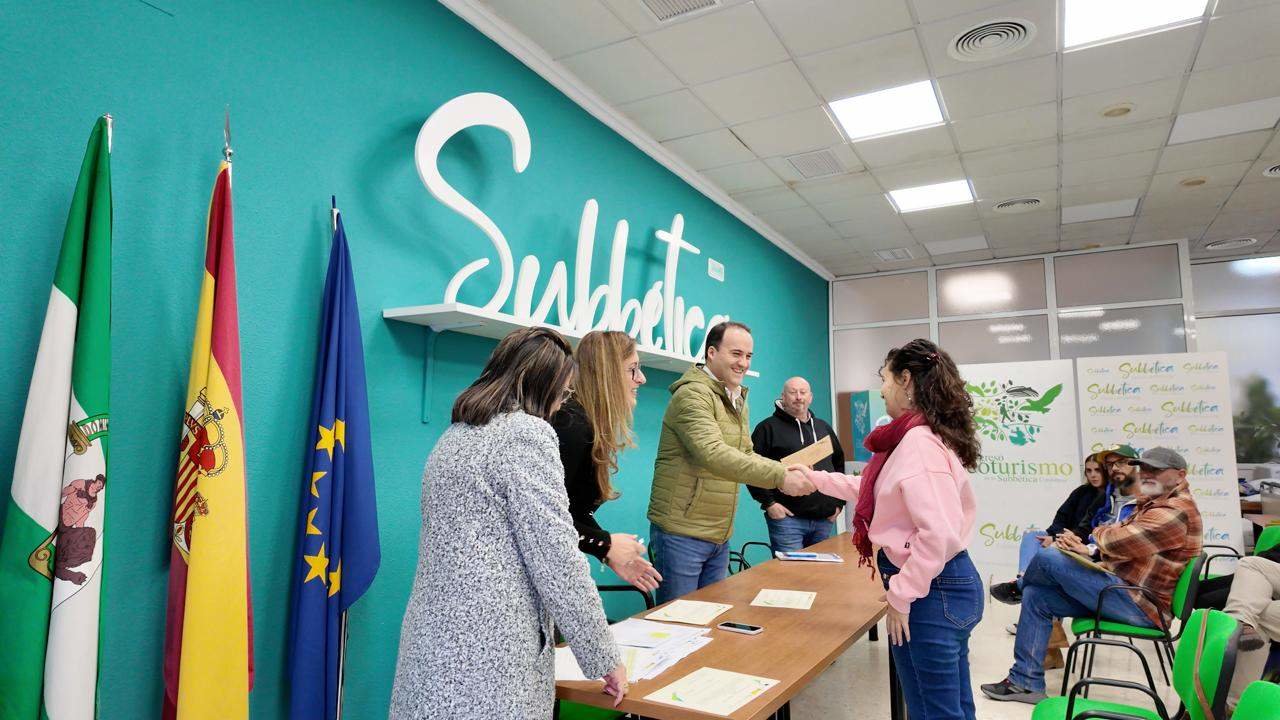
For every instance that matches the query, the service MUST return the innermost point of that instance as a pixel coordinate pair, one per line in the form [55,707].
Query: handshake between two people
[796,482]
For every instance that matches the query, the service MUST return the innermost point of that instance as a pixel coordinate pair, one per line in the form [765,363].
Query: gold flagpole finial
[226,135]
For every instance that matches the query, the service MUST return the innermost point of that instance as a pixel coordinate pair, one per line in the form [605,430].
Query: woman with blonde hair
[593,426]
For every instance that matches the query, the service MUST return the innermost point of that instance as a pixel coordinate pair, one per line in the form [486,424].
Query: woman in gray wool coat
[498,553]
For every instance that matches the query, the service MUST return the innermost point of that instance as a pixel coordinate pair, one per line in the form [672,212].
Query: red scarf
[882,442]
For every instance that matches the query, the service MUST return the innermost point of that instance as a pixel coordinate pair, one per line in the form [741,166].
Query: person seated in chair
[1149,550]
[1254,600]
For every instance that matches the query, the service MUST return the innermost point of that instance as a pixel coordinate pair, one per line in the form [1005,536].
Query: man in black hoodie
[796,522]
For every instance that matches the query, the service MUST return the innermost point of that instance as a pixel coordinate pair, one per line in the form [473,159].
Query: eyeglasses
[566,395]
[636,375]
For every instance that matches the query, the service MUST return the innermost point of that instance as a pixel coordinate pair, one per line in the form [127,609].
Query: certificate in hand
[810,455]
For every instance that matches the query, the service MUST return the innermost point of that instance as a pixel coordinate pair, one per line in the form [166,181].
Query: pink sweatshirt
[924,511]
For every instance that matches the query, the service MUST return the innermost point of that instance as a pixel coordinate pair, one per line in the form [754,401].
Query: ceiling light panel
[1229,120]
[1093,21]
[887,112]
[926,197]
[1099,211]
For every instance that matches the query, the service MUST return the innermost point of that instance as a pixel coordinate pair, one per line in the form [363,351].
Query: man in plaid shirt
[1149,549]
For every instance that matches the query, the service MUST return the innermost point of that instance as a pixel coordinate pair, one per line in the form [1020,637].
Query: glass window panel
[1144,330]
[860,353]
[1252,344]
[996,340]
[1247,284]
[1116,276]
[878,299]
[1001,287]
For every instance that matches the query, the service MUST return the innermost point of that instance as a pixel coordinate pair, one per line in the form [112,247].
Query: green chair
[1267,539]
[1162,637]
[1260,701]
[1204,661]
[738,558]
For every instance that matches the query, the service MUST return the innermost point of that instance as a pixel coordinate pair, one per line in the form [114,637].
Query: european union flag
[338,549]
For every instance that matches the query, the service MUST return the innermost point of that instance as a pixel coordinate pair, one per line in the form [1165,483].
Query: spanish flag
[208,653]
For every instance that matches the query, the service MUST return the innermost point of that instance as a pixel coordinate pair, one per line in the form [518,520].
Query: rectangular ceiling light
[964,244]
[1229,120]
[888,112]
[927,197]
[1099,211]
[1092,21]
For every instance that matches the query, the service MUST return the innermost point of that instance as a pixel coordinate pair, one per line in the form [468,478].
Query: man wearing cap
[1148,549]
[1117,503]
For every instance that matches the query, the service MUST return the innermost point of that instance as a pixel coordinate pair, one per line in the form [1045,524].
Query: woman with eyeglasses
[593,426]
[498,557]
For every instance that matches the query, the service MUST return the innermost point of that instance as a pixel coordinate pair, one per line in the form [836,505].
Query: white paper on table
[719,692]
[693,612]
[645,634]
[665,660]
[794,599]
[567,665]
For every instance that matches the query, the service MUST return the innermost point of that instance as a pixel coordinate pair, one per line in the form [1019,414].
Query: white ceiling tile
[709,150]
[1011,240]
[673,115]
[931,10]
[1112,168]
[1106,143]
[756,94]
[1097,228]
[1225,7]
[763,201]
[855,263]
[641,20]
[1128,62]
[1020,250]
[1008,128]
[962,257]
[1019,184]
[1099,211]
[1215,176]
[1103,191]
[1218,151]
[820,234]
[559,30]
[1094,242]
[1001,161]
[1255,197]
[871,210]
[937,36]
[1263,238]
[753,175]
[841,188]
[1025,225]
[865,67]
[1239,37]
[1149,101]
[1168,220]
[1048,201]
[1232,84]
[1229,120]
[948,231]
[787,171]
[811,26]
[906,147]
[622,72]
[1272,150]
[1002,87]
[789,134]
[794,218]
[1254,173]
[1202,198]
[957,245]
[871,241]
[1157,236]
[939,223]
[717,44]
[1245,223]
[916,174]
[906,264]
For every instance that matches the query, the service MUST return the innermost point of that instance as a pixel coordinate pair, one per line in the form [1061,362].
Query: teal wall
[326,98]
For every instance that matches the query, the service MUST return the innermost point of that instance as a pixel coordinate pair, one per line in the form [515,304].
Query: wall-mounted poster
[1180,401]
[1026,419]
[868,411]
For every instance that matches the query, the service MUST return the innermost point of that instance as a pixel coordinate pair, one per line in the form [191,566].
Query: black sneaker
[1007,593]
[1006,691]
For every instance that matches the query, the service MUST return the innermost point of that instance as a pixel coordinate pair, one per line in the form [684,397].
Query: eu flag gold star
[315,477]
[340,433]
[335,580]
[319,564]
[326,440]
[311,519]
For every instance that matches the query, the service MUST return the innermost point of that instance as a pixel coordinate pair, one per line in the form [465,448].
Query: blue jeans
[686,563]
[1055,586]
[933,667]
[793,533]
[1029,547]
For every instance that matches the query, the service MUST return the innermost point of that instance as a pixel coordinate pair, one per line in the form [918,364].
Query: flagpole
[342,617]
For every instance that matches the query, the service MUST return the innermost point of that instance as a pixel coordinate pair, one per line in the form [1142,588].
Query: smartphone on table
[743,628]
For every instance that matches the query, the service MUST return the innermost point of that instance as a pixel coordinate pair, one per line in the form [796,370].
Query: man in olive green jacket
[704,452]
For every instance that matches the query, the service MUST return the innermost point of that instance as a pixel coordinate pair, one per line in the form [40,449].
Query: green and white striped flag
[52,546]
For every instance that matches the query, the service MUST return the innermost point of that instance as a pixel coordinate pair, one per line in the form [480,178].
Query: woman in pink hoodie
[915,502]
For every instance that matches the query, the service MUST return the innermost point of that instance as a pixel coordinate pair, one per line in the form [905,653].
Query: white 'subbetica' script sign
[601,308]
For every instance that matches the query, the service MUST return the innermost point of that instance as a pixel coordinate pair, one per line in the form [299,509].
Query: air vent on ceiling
[895,254]
[665,10]
[992,39]
[1231,244]
[816,164]
[1272,172]
[1017,205]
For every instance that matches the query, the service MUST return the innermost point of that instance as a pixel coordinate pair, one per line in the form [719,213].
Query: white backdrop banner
[1026,417]
[1180,401]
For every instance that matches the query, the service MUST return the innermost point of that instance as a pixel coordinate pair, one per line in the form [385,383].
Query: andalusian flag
[52,548]
[208,660]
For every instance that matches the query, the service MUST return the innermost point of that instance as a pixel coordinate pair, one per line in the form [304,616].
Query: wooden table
[795,647]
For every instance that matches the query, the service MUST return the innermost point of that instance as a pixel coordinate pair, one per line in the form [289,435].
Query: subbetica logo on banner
[1210,492]
[1205,428]
[1213,534]
[1105,410]
[1206,470]
[1133,369]
[1113,390]
[1186,407]
[1025,472]
[1152,430]
[1205,366]
[1167,388]
[1010,534]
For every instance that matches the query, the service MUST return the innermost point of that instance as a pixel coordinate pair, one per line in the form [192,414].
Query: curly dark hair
[940,396]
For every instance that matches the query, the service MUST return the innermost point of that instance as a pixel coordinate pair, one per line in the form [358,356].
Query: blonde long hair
[602,391]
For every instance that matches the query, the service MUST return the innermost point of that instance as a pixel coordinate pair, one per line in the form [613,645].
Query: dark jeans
[686,563]
[793,533]
[933,666]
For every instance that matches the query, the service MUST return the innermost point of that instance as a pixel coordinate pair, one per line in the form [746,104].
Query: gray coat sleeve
[548,545]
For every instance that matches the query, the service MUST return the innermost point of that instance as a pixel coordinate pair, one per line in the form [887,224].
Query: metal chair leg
[1160,657]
